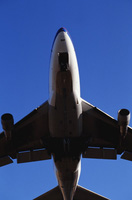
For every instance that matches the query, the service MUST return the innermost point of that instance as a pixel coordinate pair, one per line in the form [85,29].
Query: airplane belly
[65,119]
[65,115]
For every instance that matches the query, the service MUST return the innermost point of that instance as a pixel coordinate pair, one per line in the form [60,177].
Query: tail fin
[55,194]
[84,194]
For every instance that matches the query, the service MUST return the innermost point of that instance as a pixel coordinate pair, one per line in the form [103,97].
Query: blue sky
[102,35]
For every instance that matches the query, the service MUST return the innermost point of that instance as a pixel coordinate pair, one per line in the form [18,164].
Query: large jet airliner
[65,127]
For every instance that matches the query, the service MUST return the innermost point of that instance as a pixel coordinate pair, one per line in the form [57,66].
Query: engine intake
[123,120]
[7,122]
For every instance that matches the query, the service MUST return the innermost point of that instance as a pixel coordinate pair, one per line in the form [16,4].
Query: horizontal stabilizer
[54,194]
[32,156]
[84,194]
[5,161]
[80,194]
[100,153]
[127,156]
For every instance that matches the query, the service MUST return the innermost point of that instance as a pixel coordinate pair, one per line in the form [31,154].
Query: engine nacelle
[7,122]
[123,120]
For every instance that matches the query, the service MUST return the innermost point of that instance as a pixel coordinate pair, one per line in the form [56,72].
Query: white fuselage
[65,112]
[62,44]
[64,87]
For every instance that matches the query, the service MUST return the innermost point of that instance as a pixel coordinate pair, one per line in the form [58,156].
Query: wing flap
[84,194]
[32,156]
[100,153]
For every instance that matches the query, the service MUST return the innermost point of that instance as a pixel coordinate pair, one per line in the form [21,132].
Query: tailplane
[80,194]
[84,194]
[55,194]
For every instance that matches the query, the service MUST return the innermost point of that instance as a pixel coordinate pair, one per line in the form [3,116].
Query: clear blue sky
[102,35]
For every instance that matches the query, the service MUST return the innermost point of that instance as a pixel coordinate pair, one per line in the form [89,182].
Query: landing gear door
[63,61]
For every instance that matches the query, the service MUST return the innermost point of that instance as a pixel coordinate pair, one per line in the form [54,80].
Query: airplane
[65,128]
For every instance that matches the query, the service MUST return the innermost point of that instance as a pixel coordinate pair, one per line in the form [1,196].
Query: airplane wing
[26,136]
[127,154]
[103,132]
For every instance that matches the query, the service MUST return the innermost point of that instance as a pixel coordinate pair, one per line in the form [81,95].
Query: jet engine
[123,121]
[7,122]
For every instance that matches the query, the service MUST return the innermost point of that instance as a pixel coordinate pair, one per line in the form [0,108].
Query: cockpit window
[63,61]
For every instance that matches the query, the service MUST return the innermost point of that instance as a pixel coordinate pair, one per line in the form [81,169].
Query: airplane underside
[65,127]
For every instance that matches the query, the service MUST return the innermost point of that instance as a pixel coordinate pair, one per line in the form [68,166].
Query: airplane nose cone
[60,35]
[62,29]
